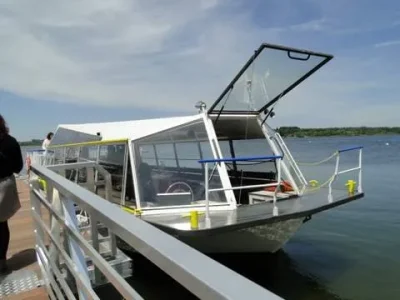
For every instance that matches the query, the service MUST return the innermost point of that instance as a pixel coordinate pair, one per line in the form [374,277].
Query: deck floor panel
[257,214]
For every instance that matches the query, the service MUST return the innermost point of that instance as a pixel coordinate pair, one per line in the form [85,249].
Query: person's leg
[4,242]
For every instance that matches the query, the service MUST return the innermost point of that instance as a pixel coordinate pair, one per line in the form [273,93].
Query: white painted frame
[277,152]
[230,203]
[217,153]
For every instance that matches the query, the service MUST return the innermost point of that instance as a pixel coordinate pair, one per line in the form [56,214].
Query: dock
[25,279]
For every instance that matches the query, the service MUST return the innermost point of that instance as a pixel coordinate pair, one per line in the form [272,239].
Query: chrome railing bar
[45,277]
[51,276]
[56,271]
[81,282]
[112,275]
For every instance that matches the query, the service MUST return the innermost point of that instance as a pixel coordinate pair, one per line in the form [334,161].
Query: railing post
[95,243]
[35,206]
[76,252]
[54,198]
[275,210]
[359,189]
[208,221]
[330,198]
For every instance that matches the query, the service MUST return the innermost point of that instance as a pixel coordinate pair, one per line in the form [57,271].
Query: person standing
[10,162]
[47,141]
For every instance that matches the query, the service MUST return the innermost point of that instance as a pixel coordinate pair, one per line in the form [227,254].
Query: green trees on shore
[34,142]
[293,131]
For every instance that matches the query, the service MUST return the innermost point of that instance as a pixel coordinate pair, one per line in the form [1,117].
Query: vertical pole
[96,174]
[95,243]
[208,222]
[53,197]
[76,252]
[275,210]
[360,171]
[124,174]
[36,206]
[330,199]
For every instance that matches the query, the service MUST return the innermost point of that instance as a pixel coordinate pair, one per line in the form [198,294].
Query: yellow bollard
[351,186]
[43,184]
[194,219]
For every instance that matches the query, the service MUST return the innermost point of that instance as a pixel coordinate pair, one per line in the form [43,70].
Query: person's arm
[17,160]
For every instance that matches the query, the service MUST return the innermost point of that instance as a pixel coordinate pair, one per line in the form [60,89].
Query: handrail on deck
[204,277]
[350,149]
[358,168]
[276,158]
[233,159]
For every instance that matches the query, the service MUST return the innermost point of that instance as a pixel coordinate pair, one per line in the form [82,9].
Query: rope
[322,185]
[321,161]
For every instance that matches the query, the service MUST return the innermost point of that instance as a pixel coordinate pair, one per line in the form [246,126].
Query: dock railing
[339,172]
[40,157]
[201,275]
[276,184]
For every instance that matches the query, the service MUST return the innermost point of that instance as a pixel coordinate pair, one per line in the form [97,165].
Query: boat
[221,180]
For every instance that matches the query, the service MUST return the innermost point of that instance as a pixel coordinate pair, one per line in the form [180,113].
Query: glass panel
[165,155]
[171,175]
[111,158]
[271,73]
[254,147]
[188,155]
[66,136]
[58,155]
[253,172]
[88,153]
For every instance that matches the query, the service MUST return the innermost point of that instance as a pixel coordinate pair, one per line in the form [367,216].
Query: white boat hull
[263,238]
[258,239]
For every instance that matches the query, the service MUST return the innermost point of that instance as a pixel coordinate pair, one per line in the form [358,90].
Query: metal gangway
[77,256]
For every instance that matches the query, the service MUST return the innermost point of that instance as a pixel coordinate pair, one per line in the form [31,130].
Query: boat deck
[257,214]
[24,279]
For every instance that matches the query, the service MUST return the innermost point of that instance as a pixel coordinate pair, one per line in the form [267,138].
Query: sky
[92,61]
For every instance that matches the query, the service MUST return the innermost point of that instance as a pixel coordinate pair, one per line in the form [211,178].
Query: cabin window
[165,155]
[88,153]
[169,173]
[188,155]
[111,158]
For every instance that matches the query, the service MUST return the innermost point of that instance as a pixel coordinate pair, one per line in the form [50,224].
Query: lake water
[350,252]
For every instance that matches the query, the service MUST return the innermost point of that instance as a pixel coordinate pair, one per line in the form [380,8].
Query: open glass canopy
[268,75]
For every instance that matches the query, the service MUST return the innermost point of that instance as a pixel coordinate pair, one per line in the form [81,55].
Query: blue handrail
[232,159]
[350,149]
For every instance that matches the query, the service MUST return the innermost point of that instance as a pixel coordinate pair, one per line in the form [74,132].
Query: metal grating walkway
[18,282]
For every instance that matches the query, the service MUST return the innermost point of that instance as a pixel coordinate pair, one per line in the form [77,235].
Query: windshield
[268,75]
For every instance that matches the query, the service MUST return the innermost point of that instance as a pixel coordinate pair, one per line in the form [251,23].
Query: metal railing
[40,157]
[198,273]
[337,172]
[276,184]
[290,158]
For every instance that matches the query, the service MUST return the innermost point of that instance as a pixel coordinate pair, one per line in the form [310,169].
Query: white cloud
[121,52]
[387,43]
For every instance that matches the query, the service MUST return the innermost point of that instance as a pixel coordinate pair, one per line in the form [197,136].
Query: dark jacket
[11,160]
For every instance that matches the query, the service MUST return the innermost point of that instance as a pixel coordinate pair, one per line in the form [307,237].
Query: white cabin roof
[134,129]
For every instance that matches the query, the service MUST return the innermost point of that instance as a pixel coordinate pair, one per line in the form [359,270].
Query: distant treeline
[33,142]
[293,131]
